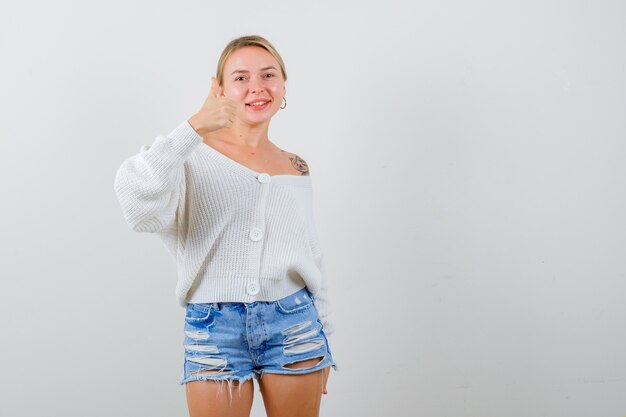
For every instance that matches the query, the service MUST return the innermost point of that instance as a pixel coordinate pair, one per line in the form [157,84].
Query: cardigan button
[264,178]
[252,288]
[256,234]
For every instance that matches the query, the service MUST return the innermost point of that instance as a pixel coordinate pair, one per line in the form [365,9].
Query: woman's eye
[238,78]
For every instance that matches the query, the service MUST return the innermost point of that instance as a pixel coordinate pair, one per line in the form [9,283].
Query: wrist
[194,122]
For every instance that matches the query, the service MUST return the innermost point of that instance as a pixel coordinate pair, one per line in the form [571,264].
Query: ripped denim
[239,341]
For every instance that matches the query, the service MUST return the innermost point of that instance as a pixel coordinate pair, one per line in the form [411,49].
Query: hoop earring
[285,103]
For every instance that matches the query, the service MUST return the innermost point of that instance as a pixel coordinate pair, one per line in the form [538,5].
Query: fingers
[231,108]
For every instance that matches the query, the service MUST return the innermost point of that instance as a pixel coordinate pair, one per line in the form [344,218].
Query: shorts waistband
[301,294]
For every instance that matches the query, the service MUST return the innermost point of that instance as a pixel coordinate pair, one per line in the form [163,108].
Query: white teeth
[258,103]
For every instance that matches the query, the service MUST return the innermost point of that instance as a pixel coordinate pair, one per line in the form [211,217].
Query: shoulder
[297,162]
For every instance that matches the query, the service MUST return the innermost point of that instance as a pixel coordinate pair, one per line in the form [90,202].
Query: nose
[255,85]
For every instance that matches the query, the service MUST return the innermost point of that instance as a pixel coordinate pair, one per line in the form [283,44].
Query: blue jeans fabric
[243,340]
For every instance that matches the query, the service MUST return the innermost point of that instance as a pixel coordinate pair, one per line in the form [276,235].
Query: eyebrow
[246,71]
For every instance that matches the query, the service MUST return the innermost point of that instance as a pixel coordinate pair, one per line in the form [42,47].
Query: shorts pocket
[294,303]
[200,314]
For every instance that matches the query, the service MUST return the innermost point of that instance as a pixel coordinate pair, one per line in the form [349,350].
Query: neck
[246,135]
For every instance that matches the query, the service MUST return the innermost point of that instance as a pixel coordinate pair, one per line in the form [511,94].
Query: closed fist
[218,111]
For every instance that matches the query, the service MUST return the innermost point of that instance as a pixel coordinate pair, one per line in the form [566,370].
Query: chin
[258,118]
[257,121]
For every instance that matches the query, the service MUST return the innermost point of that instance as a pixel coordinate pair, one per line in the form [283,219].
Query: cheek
[234,92]
[275,89]
[236,96]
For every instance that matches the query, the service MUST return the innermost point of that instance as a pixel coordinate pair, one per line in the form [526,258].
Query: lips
[265,101]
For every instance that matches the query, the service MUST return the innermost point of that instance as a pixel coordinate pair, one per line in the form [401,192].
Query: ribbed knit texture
[205,207]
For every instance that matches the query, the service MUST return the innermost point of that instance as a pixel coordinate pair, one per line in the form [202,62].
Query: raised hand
[218,111]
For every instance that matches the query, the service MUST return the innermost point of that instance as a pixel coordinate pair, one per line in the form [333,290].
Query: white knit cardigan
[237,235]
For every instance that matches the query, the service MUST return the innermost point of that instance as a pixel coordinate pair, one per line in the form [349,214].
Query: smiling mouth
[262,103]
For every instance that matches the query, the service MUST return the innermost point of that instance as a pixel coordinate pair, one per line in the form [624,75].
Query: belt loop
[216,306]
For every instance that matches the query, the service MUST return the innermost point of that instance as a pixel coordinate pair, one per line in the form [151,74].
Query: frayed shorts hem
[227,378]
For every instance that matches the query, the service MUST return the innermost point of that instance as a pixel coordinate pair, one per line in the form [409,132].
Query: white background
[468,160]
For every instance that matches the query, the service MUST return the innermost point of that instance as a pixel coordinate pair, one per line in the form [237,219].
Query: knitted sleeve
[322,299]
[149,185]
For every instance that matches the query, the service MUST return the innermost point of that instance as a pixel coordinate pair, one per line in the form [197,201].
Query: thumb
[215,88]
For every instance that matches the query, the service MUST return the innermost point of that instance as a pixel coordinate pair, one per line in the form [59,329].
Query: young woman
[236,212]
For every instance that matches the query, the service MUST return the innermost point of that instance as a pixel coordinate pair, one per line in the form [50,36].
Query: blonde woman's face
[251,74]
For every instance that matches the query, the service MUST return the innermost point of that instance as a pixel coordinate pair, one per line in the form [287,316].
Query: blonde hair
[249,40]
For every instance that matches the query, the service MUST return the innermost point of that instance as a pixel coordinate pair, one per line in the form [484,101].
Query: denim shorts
[241,341]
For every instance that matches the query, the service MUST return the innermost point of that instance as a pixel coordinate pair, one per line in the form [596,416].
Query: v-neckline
[242,168]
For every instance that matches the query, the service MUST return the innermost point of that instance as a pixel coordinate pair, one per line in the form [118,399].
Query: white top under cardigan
[237,235]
